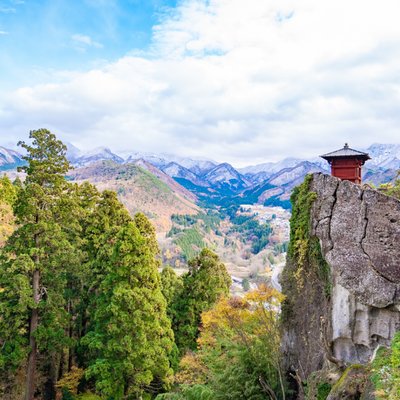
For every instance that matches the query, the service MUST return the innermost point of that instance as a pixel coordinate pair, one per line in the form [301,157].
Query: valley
[242,214]
[251,242]
[199,200]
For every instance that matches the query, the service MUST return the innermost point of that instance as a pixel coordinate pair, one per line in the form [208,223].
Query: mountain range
[10,159]
[141,187]
[213,183]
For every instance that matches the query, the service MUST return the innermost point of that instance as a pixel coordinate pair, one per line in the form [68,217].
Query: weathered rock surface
[359,232]
[351,385]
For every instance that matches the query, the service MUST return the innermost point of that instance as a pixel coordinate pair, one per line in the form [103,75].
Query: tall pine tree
[204,284]
[130,337]
[39,253]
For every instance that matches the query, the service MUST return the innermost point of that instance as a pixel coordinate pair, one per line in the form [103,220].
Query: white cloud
[3,33]
[84,41]
[8,10]
[236,81]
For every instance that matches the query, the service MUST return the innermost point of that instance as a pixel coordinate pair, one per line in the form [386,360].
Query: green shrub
[323,390]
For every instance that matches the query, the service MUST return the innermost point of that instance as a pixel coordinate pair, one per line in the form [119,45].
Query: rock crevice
[359,232]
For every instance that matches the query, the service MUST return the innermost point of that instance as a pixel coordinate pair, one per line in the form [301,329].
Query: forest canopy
[87,314]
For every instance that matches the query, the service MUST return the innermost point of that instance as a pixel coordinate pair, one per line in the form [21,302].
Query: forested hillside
[85,312]
[78,276]
[140,187]
[91,309]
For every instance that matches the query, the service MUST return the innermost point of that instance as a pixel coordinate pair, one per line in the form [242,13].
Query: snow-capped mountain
[209,180]
[289,167]
[197,166]
[225,175]
[73,153]
[155,159]
[270,167]
[386,156]
[385,160]
[294,175]
[176,170]
[10,159]
[81,159]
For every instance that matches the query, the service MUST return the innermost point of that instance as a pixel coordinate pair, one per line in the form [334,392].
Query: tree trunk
[31,372]
[70,335]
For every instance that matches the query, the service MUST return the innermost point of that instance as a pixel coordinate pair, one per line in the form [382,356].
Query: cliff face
[359,232]
[345,314]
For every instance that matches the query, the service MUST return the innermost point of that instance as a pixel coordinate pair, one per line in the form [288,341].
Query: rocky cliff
[342,278]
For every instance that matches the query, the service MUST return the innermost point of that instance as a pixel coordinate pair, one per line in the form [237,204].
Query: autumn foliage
[238,354]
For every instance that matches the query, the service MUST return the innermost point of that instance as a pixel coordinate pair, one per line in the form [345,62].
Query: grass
[385,371]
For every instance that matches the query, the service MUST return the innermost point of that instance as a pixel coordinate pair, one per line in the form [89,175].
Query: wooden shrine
[347,163]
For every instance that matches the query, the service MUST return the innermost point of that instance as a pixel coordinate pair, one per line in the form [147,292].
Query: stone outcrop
[359,232]
[345,320]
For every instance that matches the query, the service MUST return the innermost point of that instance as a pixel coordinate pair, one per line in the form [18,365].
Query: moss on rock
[319,384]
[306,283]
[351,384]
[305,260]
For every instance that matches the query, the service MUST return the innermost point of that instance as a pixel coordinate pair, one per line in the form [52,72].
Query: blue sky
[239,81]
[38,35]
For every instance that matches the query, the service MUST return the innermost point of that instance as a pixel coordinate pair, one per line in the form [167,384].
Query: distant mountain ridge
[384,155]
[222,184]
[141,187]
[10,159]
[84,159]
[197,166]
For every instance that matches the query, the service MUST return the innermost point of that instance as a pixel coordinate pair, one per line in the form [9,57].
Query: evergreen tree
[15,301]
[130,339]
[80,279]
[104,219]
[206,281]
[79,202]
[38,252]
[101,226]
[171,286]
[18,183]
[148,232]
[8,195]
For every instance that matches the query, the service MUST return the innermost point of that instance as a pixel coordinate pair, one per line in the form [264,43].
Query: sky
[244,82]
